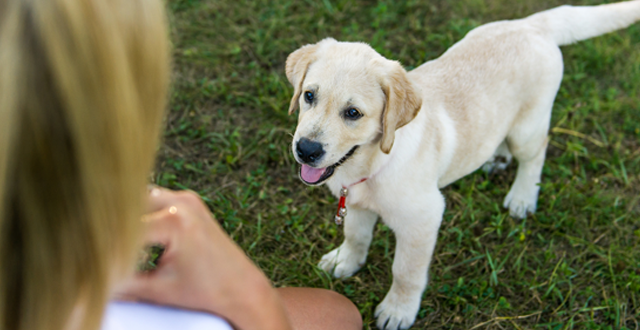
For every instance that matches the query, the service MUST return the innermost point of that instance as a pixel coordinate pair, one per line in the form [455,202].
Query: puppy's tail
[568,24]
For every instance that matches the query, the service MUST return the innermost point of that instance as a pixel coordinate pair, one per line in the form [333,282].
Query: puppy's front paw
[520,202]
[342,262]
[396,312]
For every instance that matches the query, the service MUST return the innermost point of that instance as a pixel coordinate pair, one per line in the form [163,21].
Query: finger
[160,228]
[149,286]
[161,225]
[159,198]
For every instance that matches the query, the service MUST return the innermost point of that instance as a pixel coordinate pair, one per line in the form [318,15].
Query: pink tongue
[310,174]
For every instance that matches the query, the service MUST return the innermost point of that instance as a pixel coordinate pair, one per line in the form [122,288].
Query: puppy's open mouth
[314,176]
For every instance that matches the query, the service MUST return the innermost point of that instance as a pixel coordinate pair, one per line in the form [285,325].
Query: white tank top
[141,316]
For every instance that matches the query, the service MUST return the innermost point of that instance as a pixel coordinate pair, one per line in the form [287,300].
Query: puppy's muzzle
[309,151]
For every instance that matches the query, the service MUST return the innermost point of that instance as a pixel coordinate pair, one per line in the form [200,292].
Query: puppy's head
[348,96]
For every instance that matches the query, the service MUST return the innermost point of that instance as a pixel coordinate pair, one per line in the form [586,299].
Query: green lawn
[575,264]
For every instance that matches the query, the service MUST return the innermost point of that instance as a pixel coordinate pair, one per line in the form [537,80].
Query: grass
[575,264]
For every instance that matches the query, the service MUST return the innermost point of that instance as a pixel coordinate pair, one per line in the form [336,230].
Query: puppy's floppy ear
[296,69]
[402,100]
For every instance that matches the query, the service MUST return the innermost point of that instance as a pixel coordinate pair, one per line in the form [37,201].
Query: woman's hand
[201,267]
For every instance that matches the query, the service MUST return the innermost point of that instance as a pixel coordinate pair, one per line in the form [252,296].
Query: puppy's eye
[352,113]
[308,96]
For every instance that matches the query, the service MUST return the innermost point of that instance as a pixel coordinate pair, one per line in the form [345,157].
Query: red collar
[342,206]
[353,184]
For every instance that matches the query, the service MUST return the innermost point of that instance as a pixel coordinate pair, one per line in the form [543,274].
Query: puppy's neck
[368,161]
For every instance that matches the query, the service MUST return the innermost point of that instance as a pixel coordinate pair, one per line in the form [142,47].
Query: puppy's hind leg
[527,138]
[351,255]
[500,159]
[528,143]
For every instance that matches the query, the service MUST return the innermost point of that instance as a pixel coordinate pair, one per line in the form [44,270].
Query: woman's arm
[202,268]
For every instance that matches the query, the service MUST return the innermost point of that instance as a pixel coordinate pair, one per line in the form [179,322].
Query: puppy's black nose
[309,151]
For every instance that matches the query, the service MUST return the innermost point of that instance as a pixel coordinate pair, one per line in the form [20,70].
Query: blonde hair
[82,93]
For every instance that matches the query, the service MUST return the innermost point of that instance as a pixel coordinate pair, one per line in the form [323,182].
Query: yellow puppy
[394,138]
